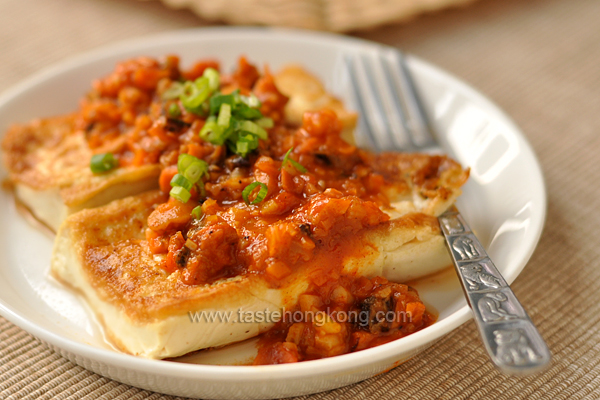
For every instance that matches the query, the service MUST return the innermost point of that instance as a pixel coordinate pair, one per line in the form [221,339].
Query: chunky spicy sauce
[318,194]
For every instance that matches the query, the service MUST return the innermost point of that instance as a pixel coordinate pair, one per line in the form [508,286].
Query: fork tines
[392,116]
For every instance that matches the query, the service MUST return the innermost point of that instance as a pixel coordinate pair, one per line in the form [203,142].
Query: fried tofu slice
[146,311]
[48,160]
[49,165]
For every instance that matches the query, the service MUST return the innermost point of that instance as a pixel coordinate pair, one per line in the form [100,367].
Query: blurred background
[537,59]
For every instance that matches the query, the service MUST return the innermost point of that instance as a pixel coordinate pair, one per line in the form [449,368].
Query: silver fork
[392,118]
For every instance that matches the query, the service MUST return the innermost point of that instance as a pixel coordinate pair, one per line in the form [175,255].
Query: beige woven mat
[539,60]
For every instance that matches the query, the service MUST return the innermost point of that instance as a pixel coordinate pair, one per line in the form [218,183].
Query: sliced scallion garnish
[251,101]
[224,115]
[104,162]
[213,132]
[251,127]
[184,161]
[180,193]
[174,110]
[191,168]
[265,122]
[243,143]
[262,193]
[195,171]
[244,111]
[180,180]
[213,77]
[173,92]
[195,93]
[197,212]
[233,119]
[217,99]
[298,166]
[294,163]
[242,148]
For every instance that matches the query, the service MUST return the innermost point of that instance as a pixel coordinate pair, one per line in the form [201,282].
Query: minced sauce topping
[312,196]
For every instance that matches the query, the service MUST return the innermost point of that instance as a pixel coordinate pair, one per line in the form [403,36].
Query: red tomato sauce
[310,219]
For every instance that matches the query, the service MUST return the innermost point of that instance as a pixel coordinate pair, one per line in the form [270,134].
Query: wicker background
[538,59]
[330,15]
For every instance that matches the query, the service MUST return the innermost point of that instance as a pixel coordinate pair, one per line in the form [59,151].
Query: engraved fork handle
[512,341]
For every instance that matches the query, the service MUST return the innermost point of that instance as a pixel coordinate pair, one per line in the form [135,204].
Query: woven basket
[330,15]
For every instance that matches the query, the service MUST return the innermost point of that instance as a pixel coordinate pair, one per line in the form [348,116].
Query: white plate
[504,201]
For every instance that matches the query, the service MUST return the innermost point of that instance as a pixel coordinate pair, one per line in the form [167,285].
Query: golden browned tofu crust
[107,246]
[49,164]
[45,153]
[109,243]
[433,182]
[103,252]
[48,160]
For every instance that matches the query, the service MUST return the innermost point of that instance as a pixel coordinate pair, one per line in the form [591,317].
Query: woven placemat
[538,60]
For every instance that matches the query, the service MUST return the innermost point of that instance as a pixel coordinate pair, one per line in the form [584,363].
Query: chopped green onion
[218,136]
[203,85]
[265,122]
[180,180]
[251,101]
[218,99]
[195,93]
[298,166]
[213,77]
[224,115]
[103,163]
[234,120]
[174,110]
[242,143]
[191,168]
[237,97]
[209,126]
[197,212]
[262,193]
[201,190]
[248,138]
[184,161]
[286,156]
[180,193]
[244,111]
[294,163]
[189,94]
[251,127]
[173,92]
[195,171]
[212,132]
[242,148]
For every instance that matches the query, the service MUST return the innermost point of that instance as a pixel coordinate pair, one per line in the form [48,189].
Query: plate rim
[222,373]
